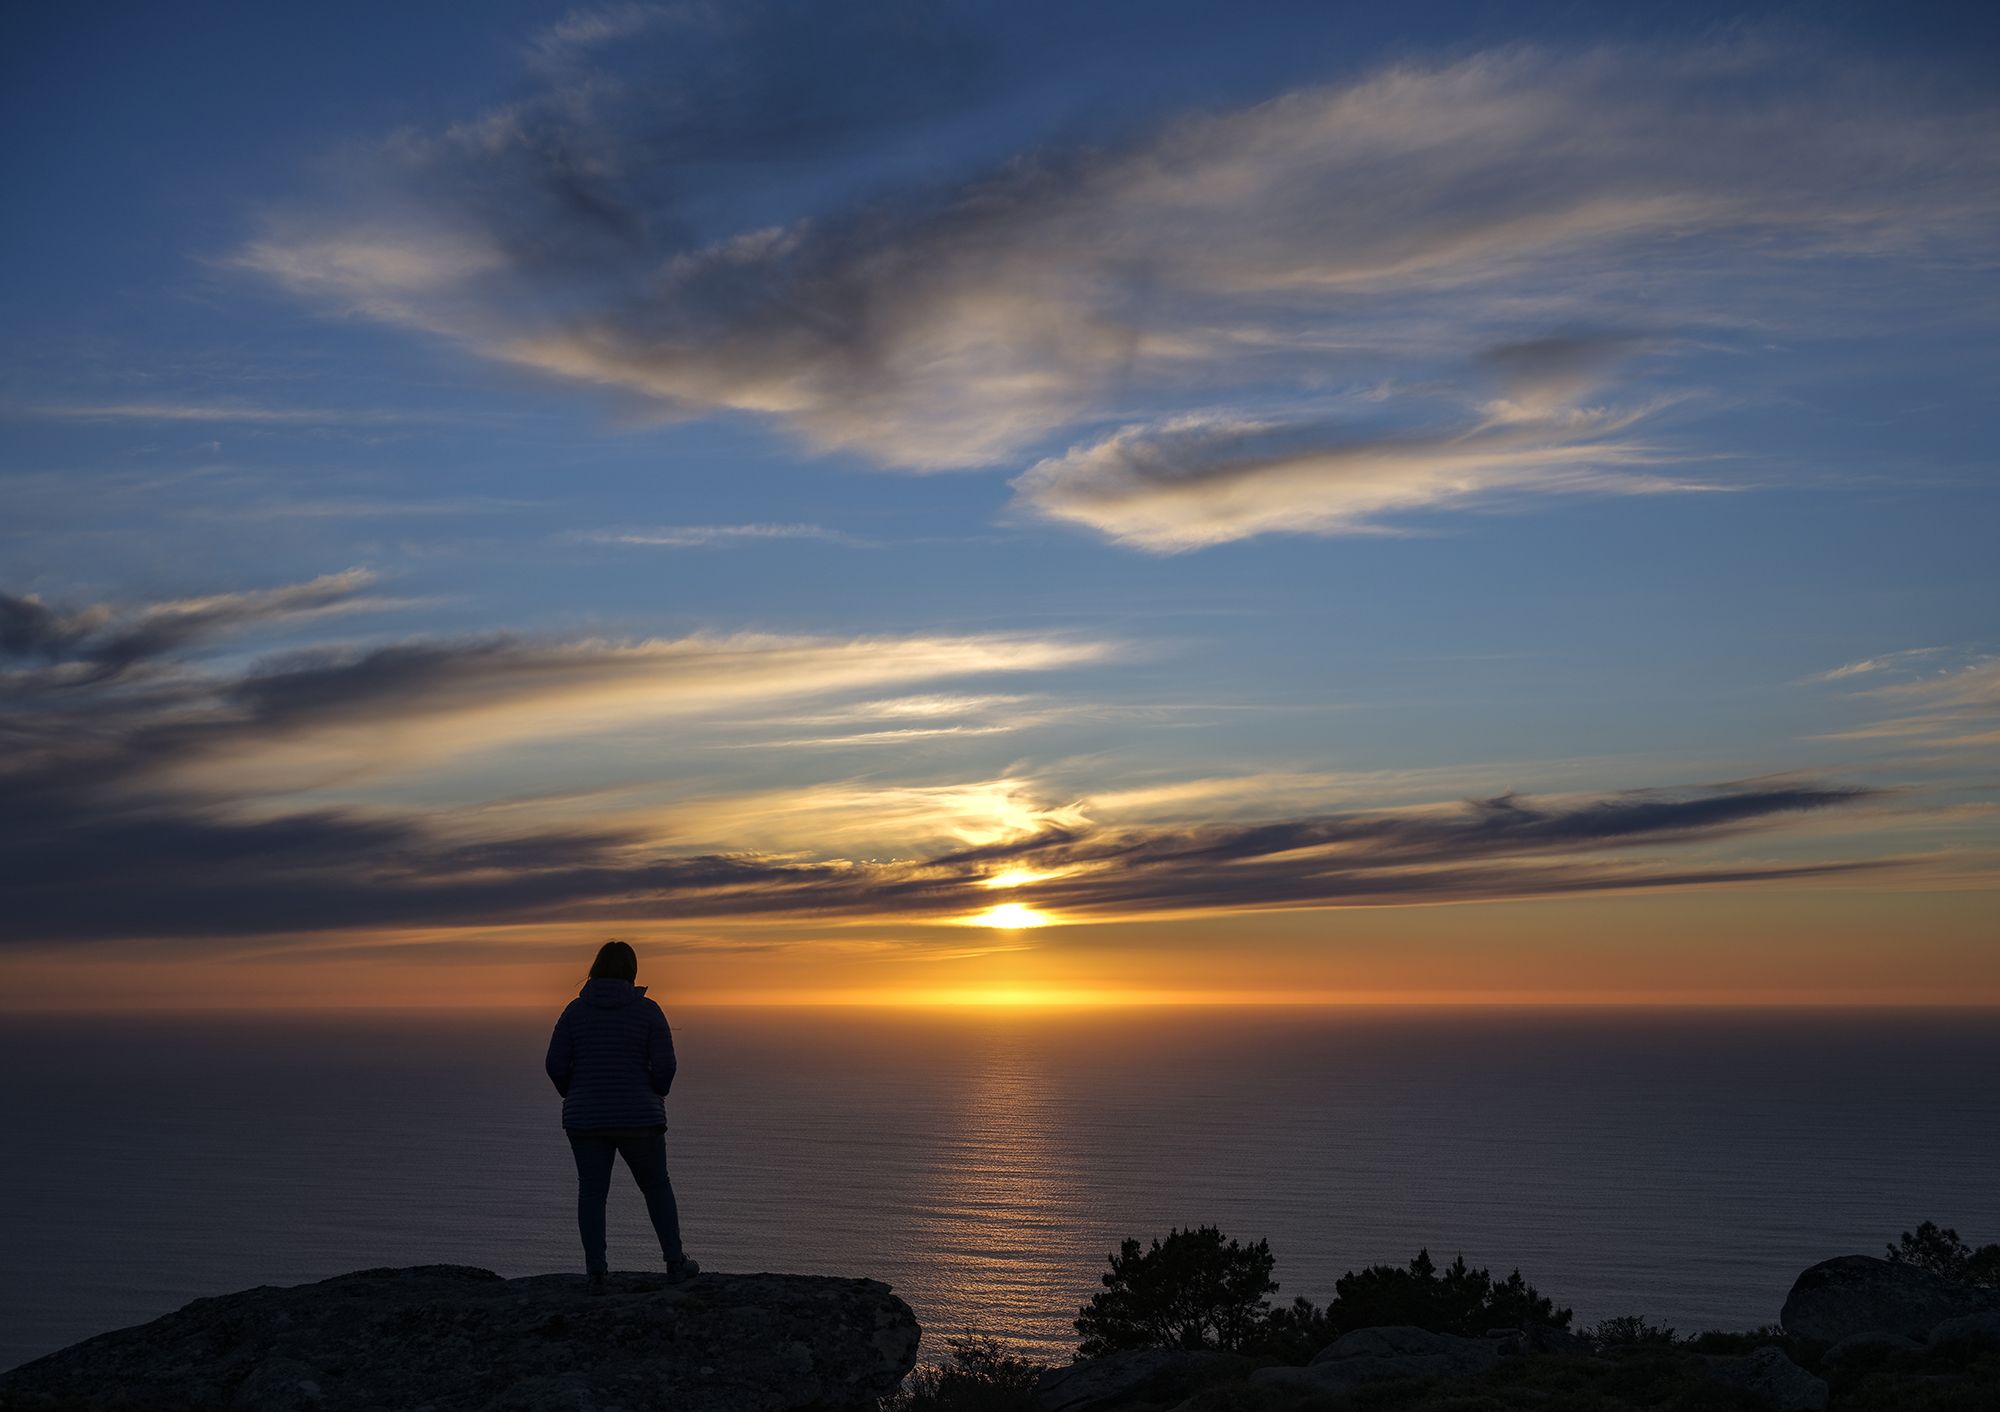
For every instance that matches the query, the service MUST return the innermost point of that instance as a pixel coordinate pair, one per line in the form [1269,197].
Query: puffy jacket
[612,1057]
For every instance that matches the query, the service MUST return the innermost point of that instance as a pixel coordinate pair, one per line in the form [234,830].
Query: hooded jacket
[612,1057]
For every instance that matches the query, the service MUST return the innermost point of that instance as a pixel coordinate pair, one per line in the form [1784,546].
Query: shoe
[598,1283]
[680,1272]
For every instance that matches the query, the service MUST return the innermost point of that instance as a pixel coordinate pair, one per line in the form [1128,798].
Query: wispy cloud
[1506,846]
[587,27]
[1888,662]
[349,712]
[80,647]
[182,875]
[126,796]
[1317,233]
[905,720]
[899,735]
[1198,481]
[1955,710]
[168,801]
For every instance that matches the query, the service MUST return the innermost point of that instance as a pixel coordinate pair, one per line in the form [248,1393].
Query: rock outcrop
[1155,1376]
[1983,1327]
[1377,1355]
[1858,1294]
[441,1338]
[1773,1379]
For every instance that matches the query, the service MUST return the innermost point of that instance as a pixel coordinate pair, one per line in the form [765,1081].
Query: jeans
[645,1155]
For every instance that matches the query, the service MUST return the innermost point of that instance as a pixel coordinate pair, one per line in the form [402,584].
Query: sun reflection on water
[999,1202]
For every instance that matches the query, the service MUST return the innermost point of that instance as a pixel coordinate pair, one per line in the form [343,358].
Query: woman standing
[612,1060]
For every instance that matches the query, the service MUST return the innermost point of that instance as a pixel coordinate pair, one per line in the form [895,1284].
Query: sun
[1009,916]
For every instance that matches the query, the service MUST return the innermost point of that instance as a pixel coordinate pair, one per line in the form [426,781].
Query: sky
[999,504]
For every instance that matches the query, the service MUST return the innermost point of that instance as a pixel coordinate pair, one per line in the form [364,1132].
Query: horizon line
[1063,1004]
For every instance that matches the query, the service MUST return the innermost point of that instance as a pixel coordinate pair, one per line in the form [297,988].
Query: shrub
[1727,1342]
[1455,1300]
[1192,1290]
[979,1376]
[1942,1253]
[1293,1333]
[1632,1331]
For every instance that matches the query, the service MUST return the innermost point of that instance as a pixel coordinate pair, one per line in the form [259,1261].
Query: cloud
[1956,710]
[644,226]
[171,874]
[927,707]
[572,38]
[1204,480]
[907,719]
[170,802]
[873,819]
[336,712]
[85,724]
[98,642]
[1887,662]
[1504,846]
[150,804]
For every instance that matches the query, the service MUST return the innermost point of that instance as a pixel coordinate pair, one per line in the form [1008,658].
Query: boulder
[1773,1379]
[1857,1294]
[1983,1327]
[1158,1375]
[1393,1341]
[1377,1355]
[448,1338]
[1874,1340]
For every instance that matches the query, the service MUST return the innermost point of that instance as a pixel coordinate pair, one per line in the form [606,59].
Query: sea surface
[1680,1164]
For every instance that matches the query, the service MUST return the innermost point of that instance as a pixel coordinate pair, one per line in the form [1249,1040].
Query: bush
[1196,1289]
[980,1376]
[1942,1253]
[1293,1333]
[1724,1341]
[1191,1290]
[1632,1331]
[1455,1300]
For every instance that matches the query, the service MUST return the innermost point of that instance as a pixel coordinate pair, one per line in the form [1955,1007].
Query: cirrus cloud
[609,229]
[177,801]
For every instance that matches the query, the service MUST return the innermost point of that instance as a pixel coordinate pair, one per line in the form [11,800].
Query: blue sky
[817,436]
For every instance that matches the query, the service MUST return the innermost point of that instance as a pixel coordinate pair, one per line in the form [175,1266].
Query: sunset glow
[1243,699]
[1010,916]
[1278,514]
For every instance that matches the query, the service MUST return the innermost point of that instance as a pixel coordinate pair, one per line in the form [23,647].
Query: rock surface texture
[1152,1375]
[1377,1355]
[1983,1327]
[1858,1294]
[1773,1379]
[448,1338]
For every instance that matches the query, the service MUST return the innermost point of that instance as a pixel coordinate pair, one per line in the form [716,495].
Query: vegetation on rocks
[979,1374]
[1941,1252]
[1191,1290]
[1453,1299]
[1198,1295]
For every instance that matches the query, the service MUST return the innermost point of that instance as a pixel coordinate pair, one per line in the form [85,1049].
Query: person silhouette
[612,1060]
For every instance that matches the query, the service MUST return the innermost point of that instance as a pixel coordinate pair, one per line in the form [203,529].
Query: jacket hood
[609,992]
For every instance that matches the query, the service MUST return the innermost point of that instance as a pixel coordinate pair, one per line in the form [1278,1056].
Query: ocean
[1684,1165]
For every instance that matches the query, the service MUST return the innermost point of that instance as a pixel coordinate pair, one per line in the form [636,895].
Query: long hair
[615,961]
